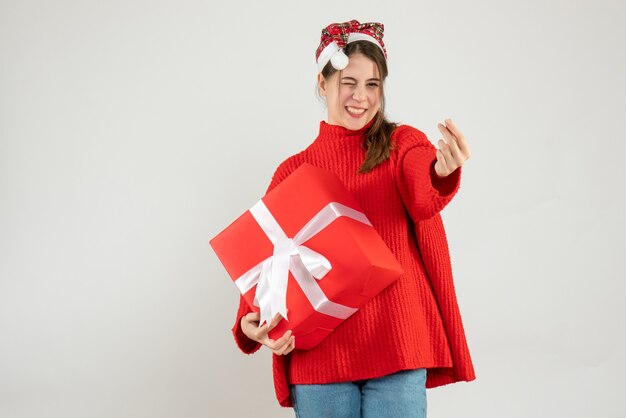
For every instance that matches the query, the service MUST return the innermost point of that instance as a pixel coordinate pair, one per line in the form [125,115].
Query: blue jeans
[401,394]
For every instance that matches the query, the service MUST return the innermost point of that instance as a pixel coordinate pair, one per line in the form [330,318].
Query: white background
[133,131]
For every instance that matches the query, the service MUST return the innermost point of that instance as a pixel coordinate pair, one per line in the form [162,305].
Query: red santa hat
[337,35]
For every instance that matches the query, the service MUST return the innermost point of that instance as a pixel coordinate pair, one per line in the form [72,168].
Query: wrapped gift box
[307,252]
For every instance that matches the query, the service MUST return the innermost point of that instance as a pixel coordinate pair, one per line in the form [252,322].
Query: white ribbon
[271,275]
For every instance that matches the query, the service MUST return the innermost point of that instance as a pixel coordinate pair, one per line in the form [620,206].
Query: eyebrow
[354,79]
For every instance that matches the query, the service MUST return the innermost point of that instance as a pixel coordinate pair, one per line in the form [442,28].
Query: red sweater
[415,322]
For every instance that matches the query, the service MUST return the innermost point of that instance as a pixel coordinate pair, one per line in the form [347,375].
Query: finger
[291,346]
[262,330]
[283,350]
[251,322]
[441,158]
[266,328]
[463,145]
[253,317]
[445,151]
[441,163]
[456,153]
[448,162]
[274,345]
[449,137]
[275,321]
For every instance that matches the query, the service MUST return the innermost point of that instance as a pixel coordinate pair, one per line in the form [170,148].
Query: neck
[329,131]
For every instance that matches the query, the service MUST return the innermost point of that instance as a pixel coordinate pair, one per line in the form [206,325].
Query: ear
[321,84]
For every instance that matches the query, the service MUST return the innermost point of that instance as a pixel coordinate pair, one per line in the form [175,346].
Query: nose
[359,93]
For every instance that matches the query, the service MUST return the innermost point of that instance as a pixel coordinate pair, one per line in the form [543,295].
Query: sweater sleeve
[423,191]
[245,344]
[433,245]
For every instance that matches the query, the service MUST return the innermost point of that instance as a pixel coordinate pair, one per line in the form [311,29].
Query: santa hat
[337,35]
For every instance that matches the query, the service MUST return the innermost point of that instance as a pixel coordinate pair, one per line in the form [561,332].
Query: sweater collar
[330,132]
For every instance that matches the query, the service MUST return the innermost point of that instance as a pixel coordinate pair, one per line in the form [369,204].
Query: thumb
[274,322]
[440,164]
[253,317]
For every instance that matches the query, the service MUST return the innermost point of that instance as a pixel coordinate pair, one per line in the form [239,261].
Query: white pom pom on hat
[337,35]
[339,60]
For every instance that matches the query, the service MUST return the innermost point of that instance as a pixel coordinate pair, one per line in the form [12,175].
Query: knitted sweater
[413,323]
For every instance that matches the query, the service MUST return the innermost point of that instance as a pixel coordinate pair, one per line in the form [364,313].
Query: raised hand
[452,152]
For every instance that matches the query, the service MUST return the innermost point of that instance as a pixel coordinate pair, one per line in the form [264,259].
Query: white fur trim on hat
[358,36]
[333,53]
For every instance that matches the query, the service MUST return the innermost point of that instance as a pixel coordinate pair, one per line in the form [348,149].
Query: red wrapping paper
[361,263]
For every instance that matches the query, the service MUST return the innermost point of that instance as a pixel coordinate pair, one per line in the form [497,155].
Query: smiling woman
[353,94]
[355,97]
[379,361]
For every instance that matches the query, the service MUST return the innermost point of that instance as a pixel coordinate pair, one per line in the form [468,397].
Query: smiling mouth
[355,110]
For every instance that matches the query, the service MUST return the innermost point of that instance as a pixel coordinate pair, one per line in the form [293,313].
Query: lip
[353,115]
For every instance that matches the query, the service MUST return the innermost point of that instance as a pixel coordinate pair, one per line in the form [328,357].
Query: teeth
[355,110]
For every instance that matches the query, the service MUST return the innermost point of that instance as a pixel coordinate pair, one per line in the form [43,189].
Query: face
[356,100]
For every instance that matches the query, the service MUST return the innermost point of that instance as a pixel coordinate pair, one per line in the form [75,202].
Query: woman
[378,362]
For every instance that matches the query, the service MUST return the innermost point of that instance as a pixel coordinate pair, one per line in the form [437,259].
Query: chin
[355,124]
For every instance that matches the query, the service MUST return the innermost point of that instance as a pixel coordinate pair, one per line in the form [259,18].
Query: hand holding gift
[250,326]
[305,245]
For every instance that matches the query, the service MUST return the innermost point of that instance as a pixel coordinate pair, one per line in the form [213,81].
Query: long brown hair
[377,140]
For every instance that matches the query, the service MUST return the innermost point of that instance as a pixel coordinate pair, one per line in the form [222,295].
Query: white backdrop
[133,131]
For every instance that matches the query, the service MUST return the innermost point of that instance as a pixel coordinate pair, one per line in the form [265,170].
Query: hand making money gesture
[452,152]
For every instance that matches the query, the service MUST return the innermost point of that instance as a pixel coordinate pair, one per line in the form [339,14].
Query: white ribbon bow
[272,274]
